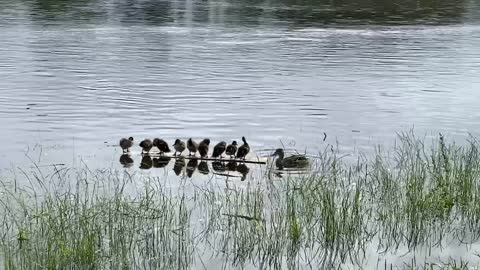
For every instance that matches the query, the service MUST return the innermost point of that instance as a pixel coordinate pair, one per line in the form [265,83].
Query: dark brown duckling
[146,162]
[243,150]
[125,144]
[192,147]
[231,149]
[161,145]
[219,149]
[178,166]
[126,160]
[203,148]
[179,146]
[146,145]
[203,168]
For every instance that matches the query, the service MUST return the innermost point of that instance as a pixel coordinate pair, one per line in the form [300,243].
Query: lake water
[76,77]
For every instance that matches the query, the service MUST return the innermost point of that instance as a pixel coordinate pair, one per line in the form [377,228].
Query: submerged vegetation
[406,208]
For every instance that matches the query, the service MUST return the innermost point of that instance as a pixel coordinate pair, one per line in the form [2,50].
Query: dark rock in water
[203,167]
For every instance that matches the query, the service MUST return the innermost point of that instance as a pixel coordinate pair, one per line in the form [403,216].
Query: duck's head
[207,141]
[279,152]
[234,143]
[244,140]
[130,139]
[156,142]
[177,142]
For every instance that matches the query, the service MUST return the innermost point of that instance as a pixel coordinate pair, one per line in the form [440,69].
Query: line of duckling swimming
[232,150]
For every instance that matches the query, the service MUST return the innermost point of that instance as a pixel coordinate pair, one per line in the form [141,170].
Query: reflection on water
[126,160]
[161,162]
[243,169]
[191,166]
[178,166]
[203,167]
[146,163]
[218,166]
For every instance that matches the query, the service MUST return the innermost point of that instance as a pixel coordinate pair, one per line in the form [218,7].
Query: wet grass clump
[404,208]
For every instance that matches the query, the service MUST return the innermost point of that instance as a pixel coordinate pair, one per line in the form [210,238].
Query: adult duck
[161,145]
[219,149]
[293,161]
[125,144]
[203,148]
[231,149]
[243,150]
[179,146]
[192,147]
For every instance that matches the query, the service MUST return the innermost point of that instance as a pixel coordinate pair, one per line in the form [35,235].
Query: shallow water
[77,77]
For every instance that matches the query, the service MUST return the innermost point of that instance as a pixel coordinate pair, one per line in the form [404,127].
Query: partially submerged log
[258,161]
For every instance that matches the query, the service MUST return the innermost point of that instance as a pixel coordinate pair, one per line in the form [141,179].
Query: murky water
[77,77]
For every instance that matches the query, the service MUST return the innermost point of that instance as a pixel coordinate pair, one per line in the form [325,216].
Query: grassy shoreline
[414,200]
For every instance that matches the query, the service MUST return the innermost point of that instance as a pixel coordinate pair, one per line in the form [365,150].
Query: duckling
[243,150]
[203,148]
[161,145]
[219,149]
[125,144]
[294,161]
[126,160]
[146,145]
[231,149]
[179,146]
[192,147]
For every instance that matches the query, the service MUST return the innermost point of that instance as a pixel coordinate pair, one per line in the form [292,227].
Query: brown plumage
[192,147]
[161,145]
[146,145]
[179,146]
[243,150]
[219,149]
[203,148]
[125,144]
[231,149]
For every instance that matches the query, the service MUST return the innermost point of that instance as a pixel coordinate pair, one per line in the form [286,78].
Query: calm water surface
[77,77]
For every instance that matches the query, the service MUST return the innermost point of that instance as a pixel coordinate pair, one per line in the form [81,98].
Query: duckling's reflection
[161,161]
[191,166]
[146,162]
[218,166]
[203,167]
[232,165]
[243,169]
[126,160]
[179,164]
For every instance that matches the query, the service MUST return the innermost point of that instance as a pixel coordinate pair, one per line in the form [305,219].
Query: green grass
[407,203]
